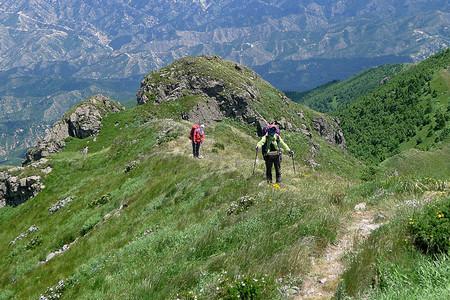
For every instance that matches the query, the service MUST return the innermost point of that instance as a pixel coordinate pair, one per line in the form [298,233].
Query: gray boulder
[15,190]
[81,122]
[260,125]
[330,130]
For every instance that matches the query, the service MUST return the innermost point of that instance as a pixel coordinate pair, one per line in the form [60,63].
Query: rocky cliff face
[83,121]
[15,190]
[330,130]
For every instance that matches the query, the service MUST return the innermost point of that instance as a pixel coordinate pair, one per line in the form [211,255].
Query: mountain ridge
[137,173]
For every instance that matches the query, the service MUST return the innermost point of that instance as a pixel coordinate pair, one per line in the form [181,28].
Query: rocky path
[323,279]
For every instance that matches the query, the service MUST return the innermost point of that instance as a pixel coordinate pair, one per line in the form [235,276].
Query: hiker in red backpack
[197,137]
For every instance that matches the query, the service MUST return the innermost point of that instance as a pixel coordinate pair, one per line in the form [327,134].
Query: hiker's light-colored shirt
[272,143]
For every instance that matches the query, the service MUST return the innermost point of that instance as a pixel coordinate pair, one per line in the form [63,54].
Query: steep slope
[411,110]
[134,215]
[412,191]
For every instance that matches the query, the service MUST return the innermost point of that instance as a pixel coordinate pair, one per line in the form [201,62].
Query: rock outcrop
[21,236]
[330,131]
[179,80]
[81,122]
[15,190]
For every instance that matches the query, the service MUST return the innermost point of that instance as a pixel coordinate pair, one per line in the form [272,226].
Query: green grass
[164,228]
[388,266]
[174,235]
[421,163]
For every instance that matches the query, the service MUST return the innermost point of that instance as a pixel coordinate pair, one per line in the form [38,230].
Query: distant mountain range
[118,38]
[46,46]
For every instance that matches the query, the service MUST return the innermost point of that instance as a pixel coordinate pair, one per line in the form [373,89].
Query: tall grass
[163,229]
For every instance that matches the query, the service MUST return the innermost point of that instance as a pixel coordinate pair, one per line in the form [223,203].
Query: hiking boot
[200,157]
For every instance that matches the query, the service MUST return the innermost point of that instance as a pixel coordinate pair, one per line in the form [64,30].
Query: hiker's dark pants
[196,149]
[272,160]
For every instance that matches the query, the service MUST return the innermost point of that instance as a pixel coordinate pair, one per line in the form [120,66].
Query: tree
[440,119]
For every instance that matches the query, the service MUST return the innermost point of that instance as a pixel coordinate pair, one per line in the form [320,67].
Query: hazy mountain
[117,38]
[296,45]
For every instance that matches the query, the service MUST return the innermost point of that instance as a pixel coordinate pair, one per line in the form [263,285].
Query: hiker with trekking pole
[271,144]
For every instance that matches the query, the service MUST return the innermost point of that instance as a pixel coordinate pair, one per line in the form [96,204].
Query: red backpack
[197,134]
[194,127]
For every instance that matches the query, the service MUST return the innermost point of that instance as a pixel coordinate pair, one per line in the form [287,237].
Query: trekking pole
[293,164]
[254,165]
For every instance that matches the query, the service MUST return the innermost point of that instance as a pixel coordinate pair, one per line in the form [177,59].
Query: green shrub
[67,238]
[430,230]
[89,224]
[337,197]
[33,243]
[244,288]
[219,146]
[368,173]
[101,201]
[444,134]
[440,119]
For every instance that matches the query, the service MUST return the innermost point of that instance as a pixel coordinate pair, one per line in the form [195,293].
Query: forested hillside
[336,94]
[410,110]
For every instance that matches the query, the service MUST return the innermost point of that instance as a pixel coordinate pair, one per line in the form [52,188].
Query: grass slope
[169,226]
[388,265]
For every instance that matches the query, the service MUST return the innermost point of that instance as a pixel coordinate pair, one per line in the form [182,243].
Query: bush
[89,224]
[440,120]
[337,197]
[219,146]
[244,288]
[67,238]
[35,242]
[430,230]
[369,173]
[444,134]
[101,201]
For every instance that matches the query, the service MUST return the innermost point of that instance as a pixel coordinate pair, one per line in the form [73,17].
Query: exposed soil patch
[323,279]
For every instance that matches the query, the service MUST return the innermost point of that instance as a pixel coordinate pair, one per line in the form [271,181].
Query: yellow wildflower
[276,186]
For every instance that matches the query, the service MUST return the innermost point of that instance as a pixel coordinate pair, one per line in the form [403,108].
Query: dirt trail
[323,279]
